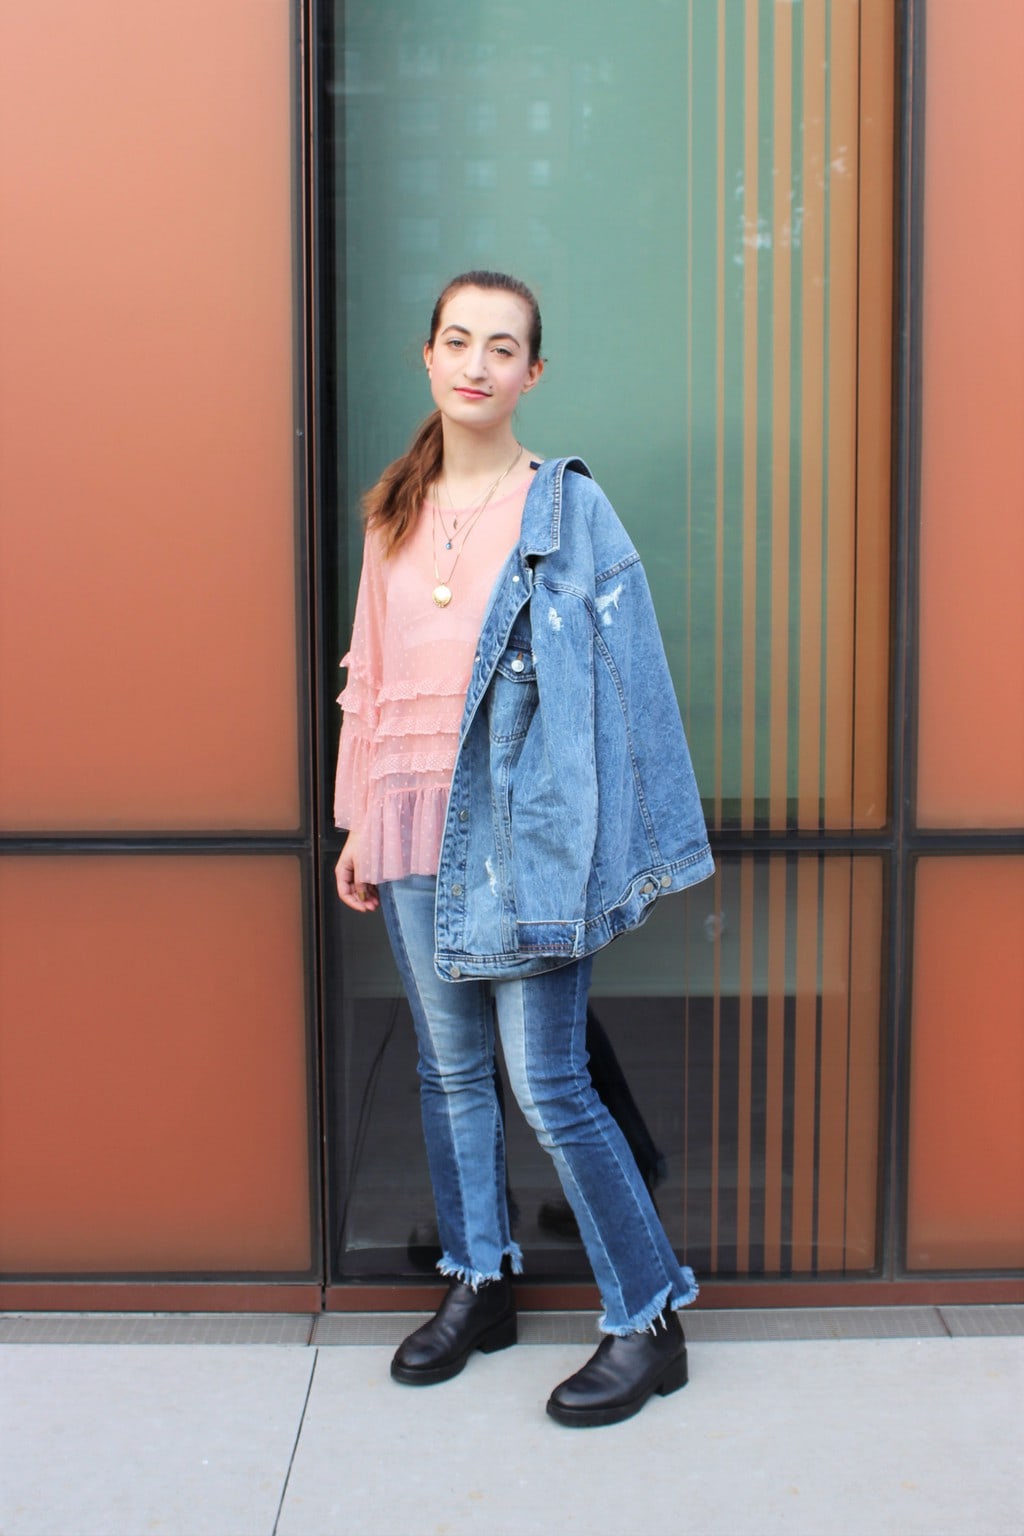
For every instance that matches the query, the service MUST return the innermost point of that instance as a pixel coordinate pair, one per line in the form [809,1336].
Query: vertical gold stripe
[832,1121]
[841,574]
[806,981]
[813,297]
[745,1062]
[865,1062]
[685,1085]
[874,386]
[720,415]
[751,260]
[775,1060]
[716,1081]
[782,235]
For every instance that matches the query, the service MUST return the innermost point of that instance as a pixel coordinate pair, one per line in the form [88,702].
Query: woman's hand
[354,892]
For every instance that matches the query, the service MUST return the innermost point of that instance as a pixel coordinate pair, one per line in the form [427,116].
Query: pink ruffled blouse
[409,667]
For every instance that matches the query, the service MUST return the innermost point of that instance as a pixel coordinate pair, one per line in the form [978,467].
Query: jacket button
[455,973]
[666,879]
[518,665]
[647,887]
[463,815]
[515,578]
[456,890]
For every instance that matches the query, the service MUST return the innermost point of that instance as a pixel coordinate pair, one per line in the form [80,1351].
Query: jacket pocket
[512,696]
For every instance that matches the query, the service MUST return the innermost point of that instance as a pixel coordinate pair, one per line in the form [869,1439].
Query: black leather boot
[625,1371]
[484,1319]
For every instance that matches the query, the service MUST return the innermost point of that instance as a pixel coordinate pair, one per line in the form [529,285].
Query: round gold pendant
[442,595]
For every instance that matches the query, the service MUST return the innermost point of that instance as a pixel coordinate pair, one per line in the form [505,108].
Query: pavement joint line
[340,1329]
[295,1442]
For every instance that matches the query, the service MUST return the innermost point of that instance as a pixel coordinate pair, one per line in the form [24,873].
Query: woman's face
[479,361]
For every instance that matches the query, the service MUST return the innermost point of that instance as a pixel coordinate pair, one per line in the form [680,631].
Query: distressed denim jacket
[573,804]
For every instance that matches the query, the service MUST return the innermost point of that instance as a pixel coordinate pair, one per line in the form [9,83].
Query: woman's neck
[472,457]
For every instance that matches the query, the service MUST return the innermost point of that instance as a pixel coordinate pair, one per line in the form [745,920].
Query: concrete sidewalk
[840,1423]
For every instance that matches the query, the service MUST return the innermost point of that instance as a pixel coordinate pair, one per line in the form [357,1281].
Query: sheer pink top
[409,667]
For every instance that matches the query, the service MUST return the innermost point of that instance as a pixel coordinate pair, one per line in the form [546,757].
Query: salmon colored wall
[971,756]
[967,1065]
[147,551]
[154,1039]
[153,1097]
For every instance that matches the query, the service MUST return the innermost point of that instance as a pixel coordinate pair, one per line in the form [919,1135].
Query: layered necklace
[442,593]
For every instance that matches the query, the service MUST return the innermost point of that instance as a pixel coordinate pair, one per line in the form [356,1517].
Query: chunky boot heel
[675,1377]
[484,1319]
[625,1371]
[501,1337]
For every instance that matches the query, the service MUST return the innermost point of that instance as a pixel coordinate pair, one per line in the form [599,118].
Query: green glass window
[700,195]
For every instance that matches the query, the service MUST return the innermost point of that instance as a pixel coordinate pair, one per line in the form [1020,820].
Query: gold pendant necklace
[442,593]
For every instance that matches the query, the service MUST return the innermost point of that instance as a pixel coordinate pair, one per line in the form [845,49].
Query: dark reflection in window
[735,1037]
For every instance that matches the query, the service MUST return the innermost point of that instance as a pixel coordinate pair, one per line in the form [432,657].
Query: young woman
[517,791]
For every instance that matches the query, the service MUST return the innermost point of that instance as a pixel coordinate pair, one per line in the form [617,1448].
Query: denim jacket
[573,804]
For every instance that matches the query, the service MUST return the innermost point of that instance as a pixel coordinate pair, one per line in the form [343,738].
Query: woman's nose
[476,363]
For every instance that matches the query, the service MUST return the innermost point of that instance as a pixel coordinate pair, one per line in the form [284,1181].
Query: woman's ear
[428,355]
[533,376]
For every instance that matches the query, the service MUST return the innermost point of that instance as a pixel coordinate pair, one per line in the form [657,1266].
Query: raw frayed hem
[647,1321]
[475,1278]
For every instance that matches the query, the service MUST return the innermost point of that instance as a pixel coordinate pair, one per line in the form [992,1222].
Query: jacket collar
[541,526]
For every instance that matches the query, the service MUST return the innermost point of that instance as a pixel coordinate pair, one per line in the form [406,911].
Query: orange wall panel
[971,763]
[966,1196]
[148,673]
[154,1109]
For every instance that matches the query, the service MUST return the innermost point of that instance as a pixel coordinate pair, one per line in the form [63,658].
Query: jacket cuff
[550,937]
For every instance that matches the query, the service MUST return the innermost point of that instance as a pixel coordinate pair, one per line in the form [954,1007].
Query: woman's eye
[455,341]
[503,351]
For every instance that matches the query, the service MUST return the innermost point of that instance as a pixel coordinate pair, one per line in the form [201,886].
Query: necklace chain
[486,498]
[442,593]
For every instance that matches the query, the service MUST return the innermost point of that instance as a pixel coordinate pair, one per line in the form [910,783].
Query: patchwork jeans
[542,1025]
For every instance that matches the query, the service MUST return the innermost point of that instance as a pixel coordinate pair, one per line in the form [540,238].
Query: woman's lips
[473,394]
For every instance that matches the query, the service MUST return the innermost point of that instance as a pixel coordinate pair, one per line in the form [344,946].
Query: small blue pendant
[448,545]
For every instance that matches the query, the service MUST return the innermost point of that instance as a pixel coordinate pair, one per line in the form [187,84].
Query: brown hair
[392,505]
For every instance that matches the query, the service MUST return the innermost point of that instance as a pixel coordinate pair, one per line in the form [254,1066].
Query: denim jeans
[542,1024]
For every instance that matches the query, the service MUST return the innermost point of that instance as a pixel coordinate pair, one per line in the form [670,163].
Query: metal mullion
[732,843]
[906,504]
[325,204]
[14,844]
[959,841]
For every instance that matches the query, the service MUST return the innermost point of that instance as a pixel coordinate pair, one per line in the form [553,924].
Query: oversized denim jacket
[573,804]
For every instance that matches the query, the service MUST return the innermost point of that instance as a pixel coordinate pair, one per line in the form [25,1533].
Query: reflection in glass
[419,178]
[735,1037]
[681,187]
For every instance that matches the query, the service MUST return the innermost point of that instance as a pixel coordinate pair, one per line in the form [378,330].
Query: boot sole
[671,1380]
[501,1336]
